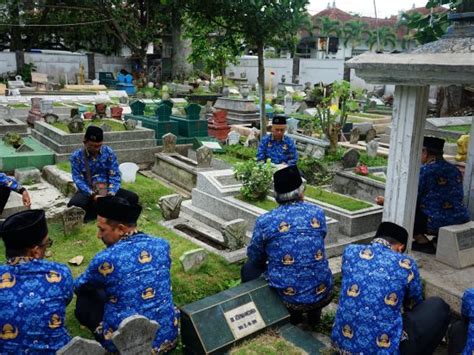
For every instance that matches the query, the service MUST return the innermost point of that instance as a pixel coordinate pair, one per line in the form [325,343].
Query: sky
[385,8]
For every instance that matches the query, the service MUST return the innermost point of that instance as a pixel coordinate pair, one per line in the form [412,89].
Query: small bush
[256,179]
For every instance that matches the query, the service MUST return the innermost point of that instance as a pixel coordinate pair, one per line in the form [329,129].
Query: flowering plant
[361,169]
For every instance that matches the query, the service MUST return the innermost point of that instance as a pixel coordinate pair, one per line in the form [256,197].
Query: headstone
[169,143]
[17,83]
[371,148]
[101,110]
[292,124]
[233,138]
[138,108]
[74,112]
[314,151]
[204,157]
[28,176]
[72,218]
[371,134]
[135,335]
[5,112]
[106,127]
[170,206]
[234,233]
[350,158]
[456,245]
[46,106]
[51,118]
[355,136]
[193,111]
[123,100]
[193,260]
[80,346]
[76,125]
[130,124]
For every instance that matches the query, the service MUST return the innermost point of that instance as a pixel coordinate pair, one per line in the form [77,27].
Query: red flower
[361,169]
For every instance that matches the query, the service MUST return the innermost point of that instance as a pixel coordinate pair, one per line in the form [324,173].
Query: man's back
[33,298]
[468,311]
[135,274]
[376,283]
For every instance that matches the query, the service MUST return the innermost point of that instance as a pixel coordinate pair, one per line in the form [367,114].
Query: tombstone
[18,83]
[350,158]
[292,124]
[130,124]
[169,143]
[51,118]
[123,100]
[101,110]
[193,111]
[372,104]
[456,245]
[80,346]
[355,136]
[76,125]
[204,157]
[234,233]
[74,113]
[106,127]
[46,106]
[314,151]
[28,175]
[170,206]
[35,113]
[371,134]
[138,108]
[72,217]
[233,138]
[193,260]
[371,148]
[116,112]
[135,335]
[5,112]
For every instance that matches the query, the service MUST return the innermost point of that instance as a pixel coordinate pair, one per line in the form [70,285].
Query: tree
[354,33]
[258,22]
[385,36]
[326,27]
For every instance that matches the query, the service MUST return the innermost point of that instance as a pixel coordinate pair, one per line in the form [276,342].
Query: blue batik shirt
[135,275]
[467,310]
[278,152]
[290,239]
[34,294]
[104,169]
[376,283]
[440,195]
[9,182]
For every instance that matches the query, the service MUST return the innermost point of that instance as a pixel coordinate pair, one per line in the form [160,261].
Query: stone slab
[13,125]
[440,122]
[135,335]
[27,175]
[193,260]
[456,245]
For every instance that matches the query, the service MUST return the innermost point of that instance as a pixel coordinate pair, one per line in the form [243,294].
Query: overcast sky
[385,8]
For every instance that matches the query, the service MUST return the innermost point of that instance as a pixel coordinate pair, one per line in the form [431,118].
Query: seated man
[288,244]
[34,292]
[132,276]
[461,333]
[378,283]
[277,147]
[7,184]
[95,172]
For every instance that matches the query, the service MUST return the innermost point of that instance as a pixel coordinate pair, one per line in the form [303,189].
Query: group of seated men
[381,308]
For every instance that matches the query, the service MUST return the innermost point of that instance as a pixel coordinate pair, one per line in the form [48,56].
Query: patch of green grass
[269,343]
[377,178]
[214,277]
[64,166]
[371,162]
[116,125]
[266,204]
[334,157]
[465,128]
[58,104]
[331,198]
[353,119]
[19,105]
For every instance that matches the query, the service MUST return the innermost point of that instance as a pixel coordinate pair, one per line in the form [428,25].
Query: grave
[445,127]
[309,146]
[35,113]
[366,188]
[217,125]
[216,323]
[239,111]
[456,245]
[72,218]
[14,125]
[138,145]
[37,155]
[191,126]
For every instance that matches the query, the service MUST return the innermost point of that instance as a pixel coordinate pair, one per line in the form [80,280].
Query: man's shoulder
[287,139]
[266,137]
[78,153]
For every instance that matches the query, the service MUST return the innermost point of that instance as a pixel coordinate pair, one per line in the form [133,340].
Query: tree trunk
[15,31]
[261,86]
[181,49]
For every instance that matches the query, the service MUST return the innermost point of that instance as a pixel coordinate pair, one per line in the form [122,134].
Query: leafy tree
[385,36]
[327,27]
[354,33]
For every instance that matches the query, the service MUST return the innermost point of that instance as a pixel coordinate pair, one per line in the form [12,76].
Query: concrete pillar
[468,178]
[406,140]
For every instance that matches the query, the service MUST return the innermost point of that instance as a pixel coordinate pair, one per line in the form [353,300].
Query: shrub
[256,179]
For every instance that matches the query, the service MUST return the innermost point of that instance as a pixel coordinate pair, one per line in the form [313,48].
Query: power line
[54,24]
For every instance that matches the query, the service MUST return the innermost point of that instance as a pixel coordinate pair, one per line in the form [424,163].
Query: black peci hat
[279,120]
[433,143]
[24,229]
[94,134]
[392,230]
[287,179]
[118,209]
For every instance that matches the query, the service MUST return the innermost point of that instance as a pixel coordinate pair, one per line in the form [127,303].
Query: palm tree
[353,33]
[327,27]
[387,37]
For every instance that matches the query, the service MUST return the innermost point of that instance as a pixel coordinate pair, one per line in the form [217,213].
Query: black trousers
[421,221]
[4,195]
[457,336]
[84,201]
[90,308]
[425,325]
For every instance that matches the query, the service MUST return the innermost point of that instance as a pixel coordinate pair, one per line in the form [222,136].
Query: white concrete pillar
[468,178]
[406,140]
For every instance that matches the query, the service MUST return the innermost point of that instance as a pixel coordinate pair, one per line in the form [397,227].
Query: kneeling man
[132,276]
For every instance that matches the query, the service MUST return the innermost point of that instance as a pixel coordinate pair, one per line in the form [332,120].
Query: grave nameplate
[244,320]
[72,218]
[456,245]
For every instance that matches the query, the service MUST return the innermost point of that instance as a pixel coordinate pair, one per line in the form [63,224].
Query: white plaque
[244,320]
[212,145]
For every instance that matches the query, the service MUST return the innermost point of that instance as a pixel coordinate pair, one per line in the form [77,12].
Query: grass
[19,105]
[465,128]
[214,277]
[331,198]
[377,178]
[58,104]
[266,204]
[116,125]
[371,162]
[269,343]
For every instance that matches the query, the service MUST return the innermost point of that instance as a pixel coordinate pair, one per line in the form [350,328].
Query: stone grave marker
[130,124]
[46,106]
[292,124]
[51,118]
[18,83]
[456,245]
[371,148]
[204,157]
[355,136]
[170,206]
[5,112]
[234,233]
[138,108]
[80,346]
[193,260]
[169,143]
[233,138]
[123,99]
[26,176]
[72,218]
[350,158]
[135,335]
[371,134]
[76,125]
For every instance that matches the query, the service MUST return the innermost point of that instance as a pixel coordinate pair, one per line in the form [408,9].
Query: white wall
[7,62]
[57,65]
[111,64]
[317,70]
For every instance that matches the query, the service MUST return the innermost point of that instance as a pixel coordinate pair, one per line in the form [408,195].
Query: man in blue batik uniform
[96,173]
[378,282]
[8,184]
[34,292]
[461,333]
[278,147]
[132,276]
[288,245]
